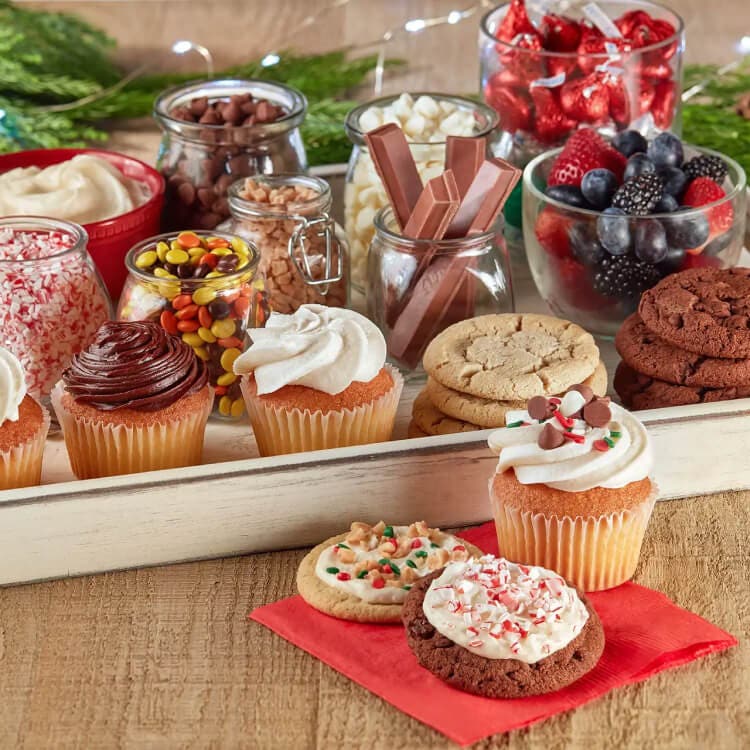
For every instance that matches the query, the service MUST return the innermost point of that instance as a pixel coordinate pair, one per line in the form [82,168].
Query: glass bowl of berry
[606,220]
[551,67]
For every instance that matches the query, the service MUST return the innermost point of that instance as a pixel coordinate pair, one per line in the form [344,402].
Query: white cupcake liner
[99,449]
[279,430]
[21,466]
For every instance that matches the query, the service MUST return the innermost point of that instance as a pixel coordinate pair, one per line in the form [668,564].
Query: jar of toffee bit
[214,132]
[304,256]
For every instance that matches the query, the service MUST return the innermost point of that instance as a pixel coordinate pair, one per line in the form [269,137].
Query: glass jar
[542,96]
[211,314]
[571,268]
[201,161]
[364,193]
[52,299]
[304,256]
[417,288]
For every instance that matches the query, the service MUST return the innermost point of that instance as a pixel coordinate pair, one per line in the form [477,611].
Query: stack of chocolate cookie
[479,369]
[689,342]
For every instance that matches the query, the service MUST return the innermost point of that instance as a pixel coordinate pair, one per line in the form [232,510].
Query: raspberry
[703,190]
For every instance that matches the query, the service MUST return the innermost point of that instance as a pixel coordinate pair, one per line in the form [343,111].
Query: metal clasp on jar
[324,227]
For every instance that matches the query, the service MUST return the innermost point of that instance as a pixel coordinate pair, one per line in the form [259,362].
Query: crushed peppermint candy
[51,303]
[503,610]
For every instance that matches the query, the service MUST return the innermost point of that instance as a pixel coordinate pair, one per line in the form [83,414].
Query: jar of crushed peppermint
[52,300]
[304,255]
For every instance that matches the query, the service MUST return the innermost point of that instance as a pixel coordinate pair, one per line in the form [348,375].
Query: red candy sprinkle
[416,544]
[378,583]
[459,548]
[343,576]
[601,445]
[563,420]
[575,438]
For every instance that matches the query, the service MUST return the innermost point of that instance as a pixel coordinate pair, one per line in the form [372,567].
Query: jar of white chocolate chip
[427,120]
[304,253]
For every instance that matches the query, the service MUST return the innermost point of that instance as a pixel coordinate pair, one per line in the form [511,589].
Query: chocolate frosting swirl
[135,366]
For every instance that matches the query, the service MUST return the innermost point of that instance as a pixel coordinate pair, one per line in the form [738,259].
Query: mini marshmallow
[571,402]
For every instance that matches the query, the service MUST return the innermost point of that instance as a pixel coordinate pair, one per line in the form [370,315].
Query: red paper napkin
[645,633]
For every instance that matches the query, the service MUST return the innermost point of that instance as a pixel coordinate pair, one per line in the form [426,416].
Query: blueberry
[613,231]
[718,244]
[666,150]
[638,164]
[650,241]
[673,260]
[674,180]
[630,142]
[568,194]
[666,205]
[687,231]
[584,244]
[598,186]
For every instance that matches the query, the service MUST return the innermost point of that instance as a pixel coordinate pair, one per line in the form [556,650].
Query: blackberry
[639,196]
[625,277]
[706,166]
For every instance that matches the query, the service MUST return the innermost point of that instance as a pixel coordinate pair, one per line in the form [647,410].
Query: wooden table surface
[165,657]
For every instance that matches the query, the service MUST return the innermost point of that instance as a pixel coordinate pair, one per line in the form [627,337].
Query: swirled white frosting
[325,348]
[12,386]
[575,466]
[83,189]
[501,610]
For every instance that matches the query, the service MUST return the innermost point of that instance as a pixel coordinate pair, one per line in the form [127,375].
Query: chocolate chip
[597,413]
[550,437]
[584,390]
[538,407]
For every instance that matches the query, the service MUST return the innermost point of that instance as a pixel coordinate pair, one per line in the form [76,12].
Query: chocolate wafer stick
[394,163]
[464,157]
[495,198]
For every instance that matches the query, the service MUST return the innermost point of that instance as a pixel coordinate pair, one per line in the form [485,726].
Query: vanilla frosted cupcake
[317,379]
[23,428]
[136,400]
[572,491]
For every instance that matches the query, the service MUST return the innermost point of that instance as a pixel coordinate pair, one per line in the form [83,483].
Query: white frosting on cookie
[380,567]
[325,348]
[501,610]
[578,464]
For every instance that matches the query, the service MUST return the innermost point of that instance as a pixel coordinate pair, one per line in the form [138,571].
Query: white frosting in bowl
[325,348]
[84,189]
[12,386]
[578,464]
[502,610]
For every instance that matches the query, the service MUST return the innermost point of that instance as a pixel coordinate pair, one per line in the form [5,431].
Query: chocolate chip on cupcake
[502,630]
[689,343]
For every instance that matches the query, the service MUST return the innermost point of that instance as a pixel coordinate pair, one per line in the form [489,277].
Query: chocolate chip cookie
[498,678]
[638,391]
[645,352]
[703,310]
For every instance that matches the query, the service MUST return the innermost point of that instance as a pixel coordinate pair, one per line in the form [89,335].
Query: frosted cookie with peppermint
[365,574]
[502,630]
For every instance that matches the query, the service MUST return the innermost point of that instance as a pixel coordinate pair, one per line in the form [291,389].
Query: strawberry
[574,285]
[702,191]
[699,261]
[551,230]
[561,34]
[584,150]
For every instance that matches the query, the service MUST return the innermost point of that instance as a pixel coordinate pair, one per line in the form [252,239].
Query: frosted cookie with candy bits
[502,630]
[365,574]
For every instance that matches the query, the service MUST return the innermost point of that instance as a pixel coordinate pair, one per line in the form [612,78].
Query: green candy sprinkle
[434,546]
[395,568]
[615,434]
[406,588]
[609,442]
[343,546]
[384,561]
[332,571]
[420,553]
[411,563]
[388,531]
[515,424]
[362,574]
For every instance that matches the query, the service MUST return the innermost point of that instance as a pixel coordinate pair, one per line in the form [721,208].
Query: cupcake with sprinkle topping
[23,427]
[572,491]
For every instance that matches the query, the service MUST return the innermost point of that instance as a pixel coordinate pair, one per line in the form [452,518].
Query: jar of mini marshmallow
[427,120]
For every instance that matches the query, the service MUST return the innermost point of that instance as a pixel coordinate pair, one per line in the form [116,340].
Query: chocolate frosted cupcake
[571,491]
[136,400]
[23,428]
[503,630]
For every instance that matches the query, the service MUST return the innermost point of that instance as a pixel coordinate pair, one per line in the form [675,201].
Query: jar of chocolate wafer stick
[419,287]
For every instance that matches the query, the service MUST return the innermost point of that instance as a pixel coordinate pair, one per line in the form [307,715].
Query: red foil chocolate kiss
[551,124]
[586,99]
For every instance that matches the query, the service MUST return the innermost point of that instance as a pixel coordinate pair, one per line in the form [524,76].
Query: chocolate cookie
[703,310]
[639,391]
[498,678]
[646,353]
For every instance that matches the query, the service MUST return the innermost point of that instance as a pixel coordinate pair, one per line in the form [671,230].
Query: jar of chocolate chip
[215,132]
[304,256]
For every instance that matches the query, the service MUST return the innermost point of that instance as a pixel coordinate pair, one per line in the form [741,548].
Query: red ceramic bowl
[109,240]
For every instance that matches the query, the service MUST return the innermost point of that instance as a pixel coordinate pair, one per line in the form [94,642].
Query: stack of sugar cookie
[479,369]
[689,342]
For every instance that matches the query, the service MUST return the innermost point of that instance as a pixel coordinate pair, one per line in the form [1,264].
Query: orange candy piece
[241,306]
[188,326]
[168,322]
[181,300]
[189,239]
[229,342]
[220,390]
[217,242]
[204,317]
[209,259]
[187,312]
